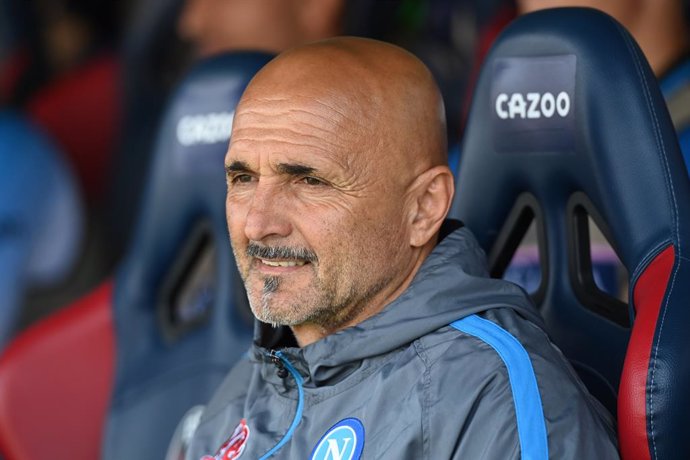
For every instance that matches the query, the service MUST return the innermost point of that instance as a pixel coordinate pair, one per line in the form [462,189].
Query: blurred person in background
[213,26]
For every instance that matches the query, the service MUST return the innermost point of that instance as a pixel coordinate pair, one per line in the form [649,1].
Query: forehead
[320,128]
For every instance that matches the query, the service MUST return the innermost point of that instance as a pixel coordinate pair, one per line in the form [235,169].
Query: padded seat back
[568,124]
[55,382]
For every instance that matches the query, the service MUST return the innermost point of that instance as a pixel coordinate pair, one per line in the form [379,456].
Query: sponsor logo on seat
[208,128]
[533,104]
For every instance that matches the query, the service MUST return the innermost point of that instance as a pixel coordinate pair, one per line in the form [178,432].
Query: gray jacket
[458,367]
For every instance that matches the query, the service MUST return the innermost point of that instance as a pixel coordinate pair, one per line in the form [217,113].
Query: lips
[279,260]
[283,263]
[279,266]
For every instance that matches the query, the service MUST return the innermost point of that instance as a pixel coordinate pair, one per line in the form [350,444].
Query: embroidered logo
[343,441]
[234,446]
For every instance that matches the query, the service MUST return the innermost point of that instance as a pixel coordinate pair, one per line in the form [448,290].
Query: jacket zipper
[285,368]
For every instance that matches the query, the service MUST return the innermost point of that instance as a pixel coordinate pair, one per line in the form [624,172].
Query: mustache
[280,252]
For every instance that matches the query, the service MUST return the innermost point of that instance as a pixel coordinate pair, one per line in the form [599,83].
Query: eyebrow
[294,169]
[291,169]
[237,166]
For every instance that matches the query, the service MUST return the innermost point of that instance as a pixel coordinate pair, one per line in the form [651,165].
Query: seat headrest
[180,310]
[576,102]
[41,214]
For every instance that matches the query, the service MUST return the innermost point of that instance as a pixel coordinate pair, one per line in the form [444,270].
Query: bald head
[337,182]
[382,98]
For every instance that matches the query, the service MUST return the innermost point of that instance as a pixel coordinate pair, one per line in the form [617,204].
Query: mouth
[272,267]
[283,263]
[278,260]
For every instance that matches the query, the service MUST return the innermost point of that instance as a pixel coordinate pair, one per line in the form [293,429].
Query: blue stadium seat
[167,328]
[41,217]
[567,124]
[152,60]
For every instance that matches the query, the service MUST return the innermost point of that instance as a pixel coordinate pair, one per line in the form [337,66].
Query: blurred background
[90,79]
[84,89]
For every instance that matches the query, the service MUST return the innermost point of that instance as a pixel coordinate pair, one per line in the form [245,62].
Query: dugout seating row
[112,375]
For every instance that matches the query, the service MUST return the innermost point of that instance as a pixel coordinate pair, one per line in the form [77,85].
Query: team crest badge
[343,441]
[234,446]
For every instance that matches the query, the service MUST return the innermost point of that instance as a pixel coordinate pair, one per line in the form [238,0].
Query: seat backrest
[55,381]
[180,312]
[152,60]
[568,123]
[41,216]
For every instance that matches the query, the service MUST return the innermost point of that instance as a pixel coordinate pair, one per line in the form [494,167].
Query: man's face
[314,212]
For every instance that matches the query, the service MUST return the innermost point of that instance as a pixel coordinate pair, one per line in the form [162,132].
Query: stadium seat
[568,124]
[41,217]
[155,341]
[152,61]
[55,380]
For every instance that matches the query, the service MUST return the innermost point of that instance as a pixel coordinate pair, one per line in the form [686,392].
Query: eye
[241,179]
[312,181]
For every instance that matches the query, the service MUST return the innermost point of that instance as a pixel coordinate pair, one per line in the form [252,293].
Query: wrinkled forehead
[324,112]
[323,122]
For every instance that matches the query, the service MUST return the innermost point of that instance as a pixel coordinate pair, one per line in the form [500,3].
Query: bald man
[379,334]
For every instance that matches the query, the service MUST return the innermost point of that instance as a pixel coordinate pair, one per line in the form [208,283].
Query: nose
[268,214]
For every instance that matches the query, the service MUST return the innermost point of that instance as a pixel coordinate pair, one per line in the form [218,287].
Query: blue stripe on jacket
[523,383]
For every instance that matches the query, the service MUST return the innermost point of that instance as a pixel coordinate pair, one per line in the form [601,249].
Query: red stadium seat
[55,383]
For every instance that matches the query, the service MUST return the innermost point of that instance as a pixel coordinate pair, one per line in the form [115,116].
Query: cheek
[384,237]
[357,240]
[235,217]
[320,214]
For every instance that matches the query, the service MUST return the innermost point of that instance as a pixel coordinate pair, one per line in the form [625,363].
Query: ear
[321,18]
[430,197]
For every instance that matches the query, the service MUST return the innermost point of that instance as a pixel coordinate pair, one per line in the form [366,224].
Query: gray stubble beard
[271,285]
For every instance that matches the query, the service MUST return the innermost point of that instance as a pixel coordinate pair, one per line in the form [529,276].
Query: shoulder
[505,372]
[469,341]
[468,384]
[502,344]
[488,363]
